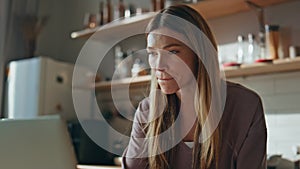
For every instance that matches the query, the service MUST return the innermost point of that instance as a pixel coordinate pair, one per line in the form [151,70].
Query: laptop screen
[38,143]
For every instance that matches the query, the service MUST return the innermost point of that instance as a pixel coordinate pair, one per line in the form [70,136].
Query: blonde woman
[193,118]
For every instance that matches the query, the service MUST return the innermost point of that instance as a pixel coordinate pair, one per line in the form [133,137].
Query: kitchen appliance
[40,86]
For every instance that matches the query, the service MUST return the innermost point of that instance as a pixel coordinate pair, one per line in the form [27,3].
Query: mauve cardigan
[243,128]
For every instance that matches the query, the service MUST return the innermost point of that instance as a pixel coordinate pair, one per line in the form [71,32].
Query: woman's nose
[161,61]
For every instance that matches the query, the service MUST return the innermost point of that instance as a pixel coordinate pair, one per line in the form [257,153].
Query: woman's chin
[168,86]
[169,90]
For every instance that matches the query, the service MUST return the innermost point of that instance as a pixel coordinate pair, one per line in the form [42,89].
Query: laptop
[40,143]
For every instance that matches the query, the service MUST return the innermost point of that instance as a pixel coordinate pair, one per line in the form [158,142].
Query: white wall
[281,99]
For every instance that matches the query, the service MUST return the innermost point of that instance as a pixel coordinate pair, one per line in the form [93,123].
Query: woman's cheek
[152,62]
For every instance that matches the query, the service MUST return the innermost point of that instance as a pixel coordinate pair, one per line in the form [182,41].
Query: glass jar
[272,41]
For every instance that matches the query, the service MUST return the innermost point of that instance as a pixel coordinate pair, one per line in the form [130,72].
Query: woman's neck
[188,117]
[189,137]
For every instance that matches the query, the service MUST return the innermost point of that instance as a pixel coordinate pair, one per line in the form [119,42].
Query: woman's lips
[160,75]
[164,79]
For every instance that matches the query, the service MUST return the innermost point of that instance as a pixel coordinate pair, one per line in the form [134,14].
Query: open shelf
[278,66]
[115,26]
[211,9]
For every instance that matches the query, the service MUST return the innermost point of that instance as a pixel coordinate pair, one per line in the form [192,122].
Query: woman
[193,118]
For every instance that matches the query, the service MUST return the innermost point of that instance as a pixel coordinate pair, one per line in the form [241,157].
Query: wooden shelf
[211,9]
[208,8]
[278,66]
[115,26]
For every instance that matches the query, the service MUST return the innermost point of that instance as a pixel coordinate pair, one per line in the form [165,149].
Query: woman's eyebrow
[165,47]
[172,45]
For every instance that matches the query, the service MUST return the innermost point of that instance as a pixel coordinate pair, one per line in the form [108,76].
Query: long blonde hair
[205,154]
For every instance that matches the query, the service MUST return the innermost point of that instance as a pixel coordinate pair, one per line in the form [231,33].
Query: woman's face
[174,63]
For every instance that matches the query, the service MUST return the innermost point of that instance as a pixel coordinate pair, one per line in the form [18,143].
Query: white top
[189,144]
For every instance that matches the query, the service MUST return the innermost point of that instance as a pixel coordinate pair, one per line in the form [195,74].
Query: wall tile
[282,101]
[288,83]
[237,80]
[272,147]
[289,120]
[264,85]
[286,133]
[288,111]
[271,120]
[269,111]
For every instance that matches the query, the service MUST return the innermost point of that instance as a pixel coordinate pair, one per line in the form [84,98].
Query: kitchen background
[280,91]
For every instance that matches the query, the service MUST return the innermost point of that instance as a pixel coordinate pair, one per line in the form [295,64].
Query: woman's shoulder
[142,111]
[241,93]
[144,104]
[243,109]
[242,106]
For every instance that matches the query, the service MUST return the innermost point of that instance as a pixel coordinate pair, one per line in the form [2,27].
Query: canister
[272,41]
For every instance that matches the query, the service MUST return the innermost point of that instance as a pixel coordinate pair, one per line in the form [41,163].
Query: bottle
[160,5]
[262,45]
[240,49]
[118,60]
[121,65]
[121,9]
[251,52]
[272,41]
[132,9]
[109,11]
[153,3]
[105,13]
[101,12]
[92,23]
[127,13]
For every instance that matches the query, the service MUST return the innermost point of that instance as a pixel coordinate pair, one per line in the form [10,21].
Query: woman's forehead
[159,40]
[162,36]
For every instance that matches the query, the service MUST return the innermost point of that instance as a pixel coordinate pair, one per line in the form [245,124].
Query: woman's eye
[173,51]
